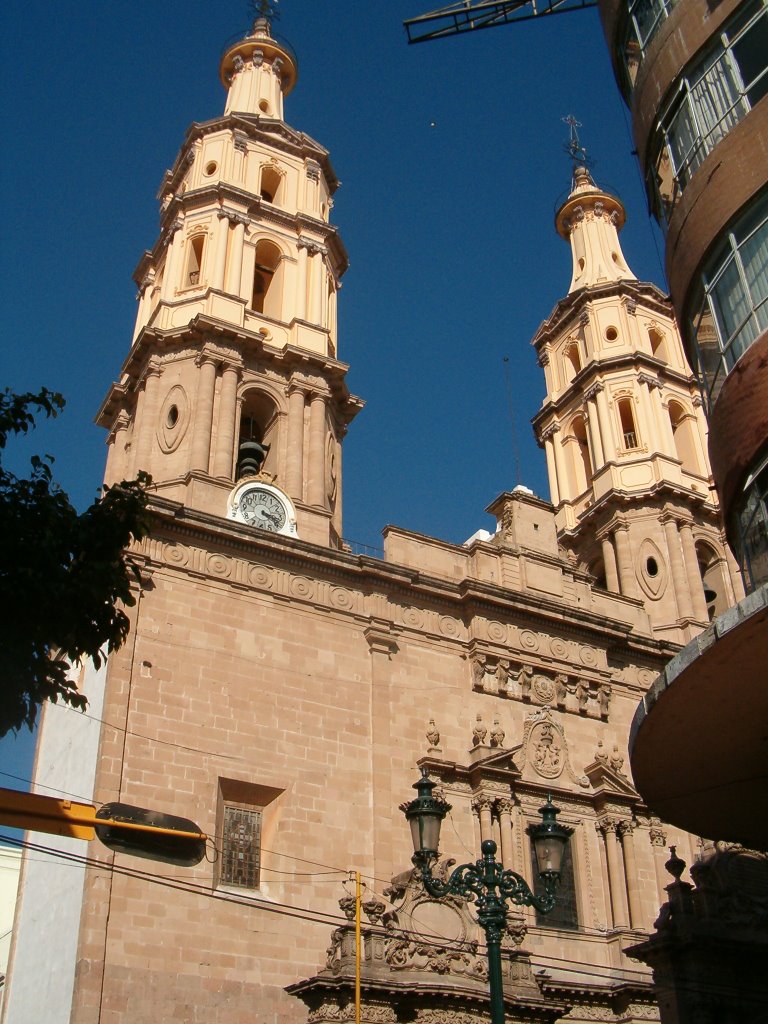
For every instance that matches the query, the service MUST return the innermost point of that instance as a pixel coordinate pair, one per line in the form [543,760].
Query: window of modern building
[730,310]
[751,522]
[645,18]
[565,913]
[714,93]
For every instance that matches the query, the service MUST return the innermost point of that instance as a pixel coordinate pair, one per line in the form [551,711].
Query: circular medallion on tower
[262,506]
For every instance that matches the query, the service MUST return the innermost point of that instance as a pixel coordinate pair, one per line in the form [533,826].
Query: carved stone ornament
[545,749]
[479,732]
[433,736]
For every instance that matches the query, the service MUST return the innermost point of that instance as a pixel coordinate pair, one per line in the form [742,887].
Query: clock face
[262,509]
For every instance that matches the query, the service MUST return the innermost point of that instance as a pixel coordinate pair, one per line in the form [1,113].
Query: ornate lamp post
[486,882]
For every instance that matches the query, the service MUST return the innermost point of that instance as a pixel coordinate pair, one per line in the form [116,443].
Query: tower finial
[573,146]
[264,11]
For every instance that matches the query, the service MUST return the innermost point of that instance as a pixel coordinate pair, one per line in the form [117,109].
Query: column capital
[543,357]
[658,837]
[233,216]
[313,248]
[152,369]
[626,827]
[505,805]
[649,381]
[549,431]
[482,802]
[592,392]
[606,825]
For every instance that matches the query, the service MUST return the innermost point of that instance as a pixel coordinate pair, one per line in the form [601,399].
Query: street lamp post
[486,882]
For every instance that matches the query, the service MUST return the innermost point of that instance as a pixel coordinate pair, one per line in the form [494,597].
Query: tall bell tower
[624,433]
[233,375]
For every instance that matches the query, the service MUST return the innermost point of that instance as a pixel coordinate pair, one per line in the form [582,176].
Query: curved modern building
[695,76]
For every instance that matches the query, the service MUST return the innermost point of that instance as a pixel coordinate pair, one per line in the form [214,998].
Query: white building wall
[41,970]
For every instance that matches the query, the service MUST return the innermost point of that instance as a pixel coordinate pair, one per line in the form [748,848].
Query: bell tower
[623,430]
[233,372]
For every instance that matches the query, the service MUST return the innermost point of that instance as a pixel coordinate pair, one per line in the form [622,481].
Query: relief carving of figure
[497,733]
[479,732]
[502,676]
[478,671]
[547,755]
[525,679]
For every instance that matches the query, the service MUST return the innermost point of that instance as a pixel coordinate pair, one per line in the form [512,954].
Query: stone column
[301,288]
[593,423]
[220,261]
[626,829]
[203,423]
[146,414]
[225,437]
[481,805]
[659,844]
[235,269]
[679,576]
[624,560]
[168,289]
[616,880]
[504,809]
[560,471]
[294,470]
[116,456]
[383,650]
[694,576]
[316,467]
[665,441]
[549,448]
[609,561]
[609,445]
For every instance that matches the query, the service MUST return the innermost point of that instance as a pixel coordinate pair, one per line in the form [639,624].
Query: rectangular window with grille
[565,913]
[240,846]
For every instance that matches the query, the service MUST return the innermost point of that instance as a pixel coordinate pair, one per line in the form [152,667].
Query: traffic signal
[151,834]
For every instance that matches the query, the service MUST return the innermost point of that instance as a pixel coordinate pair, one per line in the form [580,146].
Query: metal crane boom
[470,15]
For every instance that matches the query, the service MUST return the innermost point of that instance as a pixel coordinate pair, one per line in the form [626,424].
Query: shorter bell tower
[624,432]
[234,372]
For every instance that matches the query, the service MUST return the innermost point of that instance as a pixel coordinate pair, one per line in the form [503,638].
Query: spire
[259,70]
[590,219]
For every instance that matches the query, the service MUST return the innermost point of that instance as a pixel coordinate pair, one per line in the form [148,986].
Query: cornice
[643,292]
[595,373]
[459,600]
[203,328]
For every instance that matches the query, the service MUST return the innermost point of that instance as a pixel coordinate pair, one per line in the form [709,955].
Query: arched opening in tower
[582,460]
[628,427]
[264,296]
[195,247]
[712,568]
[257,447]
[270,185]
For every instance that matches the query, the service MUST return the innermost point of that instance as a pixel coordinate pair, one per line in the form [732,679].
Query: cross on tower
[573,146]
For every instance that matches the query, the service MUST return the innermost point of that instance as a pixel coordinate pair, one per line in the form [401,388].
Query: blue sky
[452,163]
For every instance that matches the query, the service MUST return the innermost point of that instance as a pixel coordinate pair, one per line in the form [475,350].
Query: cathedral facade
[280,690]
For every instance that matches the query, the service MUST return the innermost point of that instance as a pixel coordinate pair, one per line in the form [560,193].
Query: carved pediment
[603,777]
